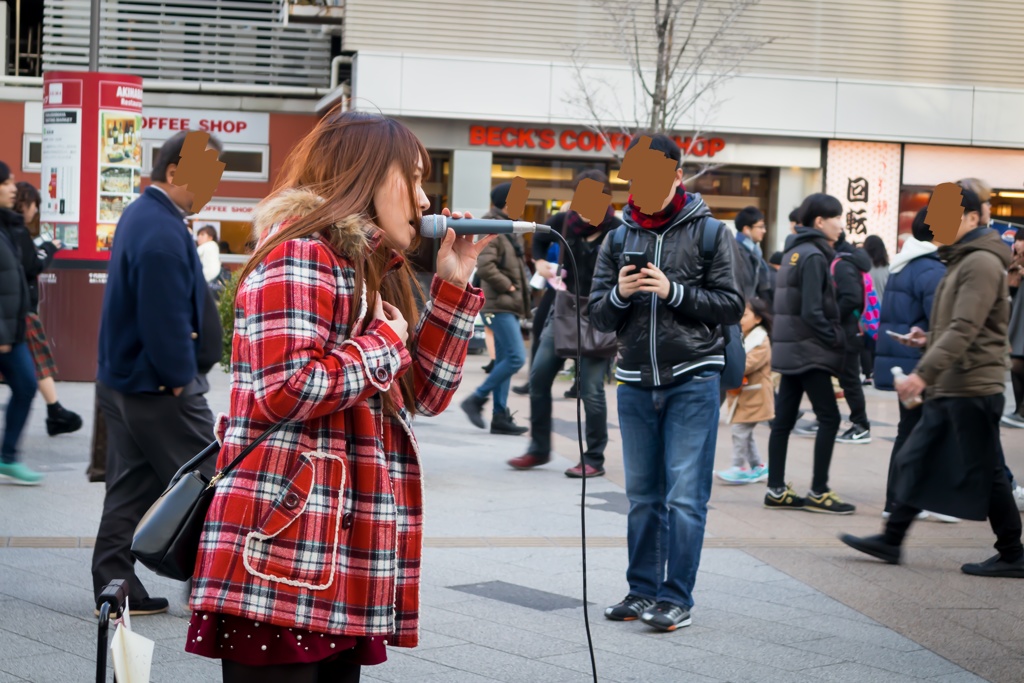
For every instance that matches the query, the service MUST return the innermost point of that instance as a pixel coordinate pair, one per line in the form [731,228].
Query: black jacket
[14,301]
[806,334]
[585,252]
[848,275]
[756,277]
[34,260]
[661,341]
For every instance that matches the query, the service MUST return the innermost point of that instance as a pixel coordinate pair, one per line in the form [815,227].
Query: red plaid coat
[321,527]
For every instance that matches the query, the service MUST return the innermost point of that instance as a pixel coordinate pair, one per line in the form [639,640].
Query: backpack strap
[619,238]
[707,243]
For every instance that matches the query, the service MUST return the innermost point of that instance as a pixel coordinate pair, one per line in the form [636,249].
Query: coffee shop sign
[577,140]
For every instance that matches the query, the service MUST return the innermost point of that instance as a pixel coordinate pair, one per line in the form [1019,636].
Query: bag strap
[241,456]
[707,244]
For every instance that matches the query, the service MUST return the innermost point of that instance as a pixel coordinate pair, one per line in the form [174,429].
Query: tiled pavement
[777,598]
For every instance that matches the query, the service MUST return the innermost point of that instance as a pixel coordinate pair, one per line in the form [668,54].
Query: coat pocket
[296,540]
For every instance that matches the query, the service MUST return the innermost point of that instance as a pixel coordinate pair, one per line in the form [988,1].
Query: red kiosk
[91,169]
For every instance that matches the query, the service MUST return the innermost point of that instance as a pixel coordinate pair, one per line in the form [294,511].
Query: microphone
[436,226]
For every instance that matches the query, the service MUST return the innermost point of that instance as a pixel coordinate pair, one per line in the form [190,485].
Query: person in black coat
[15,357]
[36,256]
[848,272]
[807,351]
[159,336]
[750,230]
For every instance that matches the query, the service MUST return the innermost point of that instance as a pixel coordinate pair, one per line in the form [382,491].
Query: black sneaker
[855,434]
[522,389]
[828,503]
[571,392]
[665,616]
[504,423]
[474,409]
[140,608]
[875,546]
[996,567]
[63,421]
[808,430]
[783,499]
[630,609]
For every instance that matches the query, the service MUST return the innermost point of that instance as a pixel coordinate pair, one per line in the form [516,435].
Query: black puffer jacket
[14,303]
[33,260]
[848,276]
[661,341]
[806,334]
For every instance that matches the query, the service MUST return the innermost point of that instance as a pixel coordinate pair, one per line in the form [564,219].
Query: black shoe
[503,423]
[474,409]
[855,434]
[62,421]
[809,430]
[996,567]
[571,392]
[490,366]
[630,609]
[522,389]
[783,499]
[140,608]
[666,617]
[875,546]
[827,502]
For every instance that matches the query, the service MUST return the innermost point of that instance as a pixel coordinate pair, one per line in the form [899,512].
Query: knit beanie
[499,195]
[5,173]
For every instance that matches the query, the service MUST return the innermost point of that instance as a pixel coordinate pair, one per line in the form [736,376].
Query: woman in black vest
[807,350]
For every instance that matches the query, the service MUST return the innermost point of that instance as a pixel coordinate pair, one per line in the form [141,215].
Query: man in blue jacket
[914,274]
[157,332]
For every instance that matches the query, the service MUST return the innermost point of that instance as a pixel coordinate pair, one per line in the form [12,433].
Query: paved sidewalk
[778,599]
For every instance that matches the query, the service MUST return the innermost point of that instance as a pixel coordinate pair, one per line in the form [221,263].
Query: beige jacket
[755,400]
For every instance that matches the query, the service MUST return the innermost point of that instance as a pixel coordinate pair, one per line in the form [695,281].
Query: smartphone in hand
[638,259]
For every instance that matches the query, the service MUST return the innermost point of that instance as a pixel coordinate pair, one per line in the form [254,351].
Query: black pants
[908,420]
[849,380]
[817,384]
[149,437]
[1003,517]
[337,671]
[1017,379]
[540,317]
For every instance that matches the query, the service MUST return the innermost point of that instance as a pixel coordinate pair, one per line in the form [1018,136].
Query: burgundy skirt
[254,643]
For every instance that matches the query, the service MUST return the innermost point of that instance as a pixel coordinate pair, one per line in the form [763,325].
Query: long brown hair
[343,160]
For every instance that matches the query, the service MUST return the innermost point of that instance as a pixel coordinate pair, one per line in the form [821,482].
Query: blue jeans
[668,449]
[509,357]
[19,372]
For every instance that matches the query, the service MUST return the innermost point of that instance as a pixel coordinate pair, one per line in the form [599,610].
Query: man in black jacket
[15,359]
[158,327]
[750,230]
[848,273]
[669,318]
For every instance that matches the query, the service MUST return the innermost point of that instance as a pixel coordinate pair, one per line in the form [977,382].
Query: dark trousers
[149,437]
[909,417]
[591,378]
[817,384]
[540,318]
[1017,379]
[19,372]
[849,380]
[1003,517]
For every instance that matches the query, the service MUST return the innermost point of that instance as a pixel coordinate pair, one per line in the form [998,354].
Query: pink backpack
[871,311]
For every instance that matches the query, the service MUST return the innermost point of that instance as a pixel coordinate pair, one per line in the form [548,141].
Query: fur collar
[351,235]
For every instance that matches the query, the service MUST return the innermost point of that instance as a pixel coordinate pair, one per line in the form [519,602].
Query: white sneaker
[946,519]
[1018,495]
[1013,420]
[922,515]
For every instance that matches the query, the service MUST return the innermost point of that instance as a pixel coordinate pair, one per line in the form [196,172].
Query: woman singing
[310,558]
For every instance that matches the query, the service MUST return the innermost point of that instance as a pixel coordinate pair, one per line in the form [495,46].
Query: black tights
[337,671]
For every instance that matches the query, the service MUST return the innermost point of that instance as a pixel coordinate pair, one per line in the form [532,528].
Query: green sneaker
[20,473]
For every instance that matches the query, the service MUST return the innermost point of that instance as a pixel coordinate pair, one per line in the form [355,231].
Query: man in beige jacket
[952,462]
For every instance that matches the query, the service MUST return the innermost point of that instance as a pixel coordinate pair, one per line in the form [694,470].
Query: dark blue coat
[908,302]
[153,305]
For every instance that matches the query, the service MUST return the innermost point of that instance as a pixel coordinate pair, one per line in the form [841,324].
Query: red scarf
[661,218]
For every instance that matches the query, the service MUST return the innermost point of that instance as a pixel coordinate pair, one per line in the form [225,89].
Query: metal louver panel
[214,41]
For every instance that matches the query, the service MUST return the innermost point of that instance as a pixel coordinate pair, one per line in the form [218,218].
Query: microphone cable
[579,441]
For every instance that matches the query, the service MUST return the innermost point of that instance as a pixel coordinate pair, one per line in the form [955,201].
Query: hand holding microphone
[456,257]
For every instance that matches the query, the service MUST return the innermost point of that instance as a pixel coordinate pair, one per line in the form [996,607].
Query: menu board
[120,164]
[61,164]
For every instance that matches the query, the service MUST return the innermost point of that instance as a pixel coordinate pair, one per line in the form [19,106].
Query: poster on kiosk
[91,169]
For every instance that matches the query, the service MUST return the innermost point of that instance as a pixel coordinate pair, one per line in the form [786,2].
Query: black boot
[474,409]
[522,389]
[60,420]
[490,366]
[502,423]
[572,392]
[875,546]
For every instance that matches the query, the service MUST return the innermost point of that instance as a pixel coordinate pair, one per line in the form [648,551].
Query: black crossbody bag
[166,540]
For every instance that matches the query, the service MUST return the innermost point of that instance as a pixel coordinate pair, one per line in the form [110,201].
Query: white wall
[491,89]
[471,181]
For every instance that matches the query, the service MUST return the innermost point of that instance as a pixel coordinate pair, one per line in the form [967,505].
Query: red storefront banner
[570,140]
